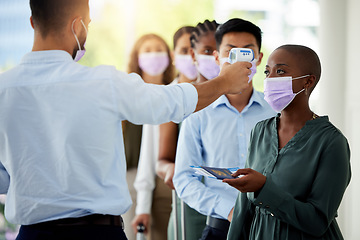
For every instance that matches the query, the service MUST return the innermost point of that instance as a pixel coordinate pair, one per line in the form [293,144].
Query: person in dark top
[298,164]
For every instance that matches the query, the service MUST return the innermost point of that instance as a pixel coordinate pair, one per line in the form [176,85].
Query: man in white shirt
[62,161]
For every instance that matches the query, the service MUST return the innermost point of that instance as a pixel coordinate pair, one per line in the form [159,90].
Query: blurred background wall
[330,27]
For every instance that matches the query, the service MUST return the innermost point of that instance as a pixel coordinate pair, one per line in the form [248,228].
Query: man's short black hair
[51,15]
[238,25]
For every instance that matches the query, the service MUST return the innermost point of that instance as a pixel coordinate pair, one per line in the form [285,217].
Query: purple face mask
[185,65]
[79,53]
[207,66]
[154,63]
[278,91]
[253,69]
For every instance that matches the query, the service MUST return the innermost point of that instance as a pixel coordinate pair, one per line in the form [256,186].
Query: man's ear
[261,55]
[78,27]
[32,22]
[217,57]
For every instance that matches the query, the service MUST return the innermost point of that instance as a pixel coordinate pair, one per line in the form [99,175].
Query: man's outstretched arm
[233,78]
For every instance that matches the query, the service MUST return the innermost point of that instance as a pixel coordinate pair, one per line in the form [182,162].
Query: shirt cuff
[224,208]
[143,202]
[270,197]
[190,98]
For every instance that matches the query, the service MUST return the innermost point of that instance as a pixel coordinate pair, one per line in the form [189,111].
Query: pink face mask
[278,91]
[253,69]
[154,63]
[186,66]
[207,66]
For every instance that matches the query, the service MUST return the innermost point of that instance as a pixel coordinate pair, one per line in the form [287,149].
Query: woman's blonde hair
[134,58]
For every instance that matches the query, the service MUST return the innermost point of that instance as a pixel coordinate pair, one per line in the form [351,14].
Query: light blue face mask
[79,53]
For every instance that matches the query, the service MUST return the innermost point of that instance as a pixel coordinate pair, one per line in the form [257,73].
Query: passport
[213,172]
[219,173]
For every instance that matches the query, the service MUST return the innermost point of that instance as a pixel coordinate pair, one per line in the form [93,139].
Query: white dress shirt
[62,151]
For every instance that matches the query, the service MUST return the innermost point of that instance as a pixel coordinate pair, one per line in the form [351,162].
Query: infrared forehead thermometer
[241,55]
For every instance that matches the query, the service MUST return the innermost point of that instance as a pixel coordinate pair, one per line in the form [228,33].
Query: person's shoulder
[194,117]
[104,70]
[329,138]
[4,74]
[267,123]
[217,104]
[112,73]
[206,113]
[327,130]
[197,119]
[13,70]
[7,77]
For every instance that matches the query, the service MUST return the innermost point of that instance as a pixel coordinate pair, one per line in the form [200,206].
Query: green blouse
[305,183]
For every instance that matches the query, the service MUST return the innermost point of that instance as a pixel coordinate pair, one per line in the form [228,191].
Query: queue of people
[93,153]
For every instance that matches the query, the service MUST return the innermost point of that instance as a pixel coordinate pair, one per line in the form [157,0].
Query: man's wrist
[221,85]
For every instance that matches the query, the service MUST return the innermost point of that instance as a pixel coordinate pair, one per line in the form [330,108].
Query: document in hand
[212,172]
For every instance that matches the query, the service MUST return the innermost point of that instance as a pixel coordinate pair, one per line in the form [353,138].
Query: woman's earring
[306,91]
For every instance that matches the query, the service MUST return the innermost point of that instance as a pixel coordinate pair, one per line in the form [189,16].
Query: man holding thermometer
[218,135]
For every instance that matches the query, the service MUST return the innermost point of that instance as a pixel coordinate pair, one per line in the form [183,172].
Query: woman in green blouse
[298,163]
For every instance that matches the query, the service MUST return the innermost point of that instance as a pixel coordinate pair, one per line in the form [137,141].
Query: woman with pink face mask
[298,164]
[150,58]
[181,55]
[203,45]
[197,47]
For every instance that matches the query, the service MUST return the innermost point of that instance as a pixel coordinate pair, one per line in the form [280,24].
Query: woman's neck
[291,121]
[296,116]
[158,79]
